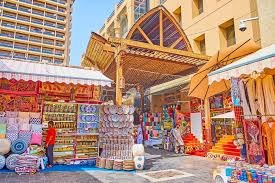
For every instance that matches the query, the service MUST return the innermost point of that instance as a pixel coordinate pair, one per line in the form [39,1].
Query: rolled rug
[5,146]
[12,136]
[11,161]
[2,162]
[19,146]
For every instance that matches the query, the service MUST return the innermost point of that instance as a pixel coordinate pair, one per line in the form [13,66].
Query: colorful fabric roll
[19,146]
[12,127]
[36,128]
[11,114]
[11,161]
[25,136]
[2,162]
[35,121]
[12,136]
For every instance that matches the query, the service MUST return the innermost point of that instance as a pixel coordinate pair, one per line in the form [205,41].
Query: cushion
[36,139]
[11,114]
[24,127]
[12,136]
[12,127]
[19,146]
[3,120]
[23,115]
[36,128]
[23,120]
[35,115]
[3,128]
[25,136]
[12,120]
[35,121]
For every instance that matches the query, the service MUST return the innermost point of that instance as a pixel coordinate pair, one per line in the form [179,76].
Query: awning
[169,85]
[228,115]
[258,61]
[19,70]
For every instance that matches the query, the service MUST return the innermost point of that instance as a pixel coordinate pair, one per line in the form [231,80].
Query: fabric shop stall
[33,94]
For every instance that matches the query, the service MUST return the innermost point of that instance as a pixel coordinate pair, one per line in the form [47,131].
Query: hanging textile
[255,153]
[269,94]
[251,92]
[235,92]
[268,132]
[246,110]
[260,98]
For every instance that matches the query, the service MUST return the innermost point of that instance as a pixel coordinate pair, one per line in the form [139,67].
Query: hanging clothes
[251,92]
[260,98]
[269,94]
[268,133]
[246,110]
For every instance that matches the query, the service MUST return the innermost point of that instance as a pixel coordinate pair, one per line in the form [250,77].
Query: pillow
[36,139]
[11,114]
[12,136]
[3,120]
[23,120]
[25,136]
[23,115]
[35,121]
[36,128]
[24,127]
[12,120]
[3,128]
[12,127]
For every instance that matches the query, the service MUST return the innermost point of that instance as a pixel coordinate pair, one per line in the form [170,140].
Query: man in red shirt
[50,139]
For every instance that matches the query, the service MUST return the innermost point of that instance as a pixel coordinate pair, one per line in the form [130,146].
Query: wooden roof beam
[144,35]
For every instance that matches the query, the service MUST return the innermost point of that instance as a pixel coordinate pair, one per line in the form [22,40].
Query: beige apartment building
[208,24]
[36,30]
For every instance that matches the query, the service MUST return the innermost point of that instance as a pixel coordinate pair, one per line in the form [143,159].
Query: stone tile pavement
[200,167]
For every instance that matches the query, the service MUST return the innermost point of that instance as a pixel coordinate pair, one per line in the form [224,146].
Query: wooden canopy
[156,50]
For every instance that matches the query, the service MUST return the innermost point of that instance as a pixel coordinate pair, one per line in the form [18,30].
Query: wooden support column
[160,29]
[119,77]
[207,121]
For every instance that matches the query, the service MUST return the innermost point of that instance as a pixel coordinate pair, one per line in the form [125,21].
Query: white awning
[19,70]
[258,61]
[228,115]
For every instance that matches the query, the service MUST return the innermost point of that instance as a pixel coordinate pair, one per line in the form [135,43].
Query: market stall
[254,75]
[32,94]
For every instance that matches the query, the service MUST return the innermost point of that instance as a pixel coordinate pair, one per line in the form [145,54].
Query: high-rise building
[208,24]
[36,30]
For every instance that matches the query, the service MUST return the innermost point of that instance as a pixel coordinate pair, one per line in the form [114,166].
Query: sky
[88,16]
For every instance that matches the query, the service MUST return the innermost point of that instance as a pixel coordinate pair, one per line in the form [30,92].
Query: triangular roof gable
[159,27]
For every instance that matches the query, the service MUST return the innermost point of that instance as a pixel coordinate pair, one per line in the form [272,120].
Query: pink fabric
[36,139]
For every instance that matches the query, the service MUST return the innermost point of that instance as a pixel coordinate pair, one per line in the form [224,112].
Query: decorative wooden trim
[144,35]
[176,42]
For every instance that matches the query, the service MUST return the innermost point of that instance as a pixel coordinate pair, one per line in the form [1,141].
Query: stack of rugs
[26,164]
[109,164]
[118,165]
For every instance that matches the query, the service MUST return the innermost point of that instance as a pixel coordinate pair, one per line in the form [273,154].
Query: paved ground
[200,167]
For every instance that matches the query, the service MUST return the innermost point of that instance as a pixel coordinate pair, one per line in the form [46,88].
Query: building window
[197,6]
[227,34]
[141,7]
[177,14]
[200,44]
[123,25]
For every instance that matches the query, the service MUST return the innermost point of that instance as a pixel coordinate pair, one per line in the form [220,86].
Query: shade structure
[19,70]
[199,86]
[255,62]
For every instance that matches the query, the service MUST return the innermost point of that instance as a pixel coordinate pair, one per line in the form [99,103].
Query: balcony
[26,1]
[59,44]
[23,9]
[38,13]
[5,54]
[48,42]
[35,49]
[35,40]
[39,4]
[61,2]
[59,54]
[50,24]
[11,6]
[40,22]
[61,18]
[20,47]
[22,28]
[61,10]
[51,8]
[34,58]
[59,35]
[9,15]
[47,51]
[26,19]
[21,37]
[39,31]
[7,35]
[50,16]
[19,56]
[49,33]
[8,45]
[62,27]
[8,25]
